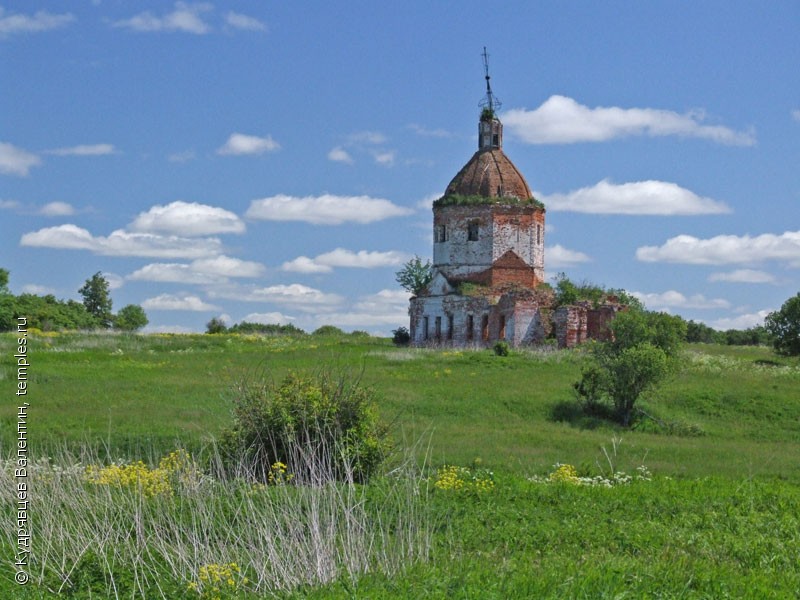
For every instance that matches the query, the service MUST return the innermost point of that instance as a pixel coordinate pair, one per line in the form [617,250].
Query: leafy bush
[643,350]
[322,426]
[415,275]
[784,326]
[401,336]
[266,328]
[501,348]
[328,330]
[130,318]
[216,325]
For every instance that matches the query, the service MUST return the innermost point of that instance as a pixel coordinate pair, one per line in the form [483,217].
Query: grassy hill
[718,518]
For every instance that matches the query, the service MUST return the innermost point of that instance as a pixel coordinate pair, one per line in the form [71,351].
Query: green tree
[415,275]
[6,303]
[130,318]
[784,326]
[643,351]
[97,300]
[4,282]
[216,325]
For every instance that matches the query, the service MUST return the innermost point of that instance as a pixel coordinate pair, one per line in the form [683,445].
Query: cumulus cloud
[635,198]
[796,115]
[363,259]
[122,243]
[16,161]
[57,209]
[743,276]
[324,210]
[562,120]
[239,144]
[85,150]
[9,204]
[201,271]
[173,302]
[187,219]
[367,137]
[384,308]
[182,157]
[745,321]
[295,295]
[673,299]
[269,318]
[385,158]
[424,131]
[558,256]
[186,18]
[39,290]
[40,21]
[725,249]
[239,21]
[339,154]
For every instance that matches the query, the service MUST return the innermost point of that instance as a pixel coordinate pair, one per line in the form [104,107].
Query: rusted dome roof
[491,174]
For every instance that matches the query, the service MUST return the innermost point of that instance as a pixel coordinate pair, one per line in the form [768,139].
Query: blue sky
[276,161]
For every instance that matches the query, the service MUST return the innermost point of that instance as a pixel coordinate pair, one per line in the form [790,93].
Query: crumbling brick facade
[488,261]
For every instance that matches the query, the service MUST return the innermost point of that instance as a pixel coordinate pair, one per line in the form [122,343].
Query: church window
[425,328]
[449,327]
[472,231]
[438,325]
[502,335]
[470,328]
[485,328]
[538,235]
[440,233]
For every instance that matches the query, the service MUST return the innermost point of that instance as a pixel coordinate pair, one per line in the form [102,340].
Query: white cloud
[40,21]
[57,209]
[187,219]
[339,154]
[16,161]
[385,158]
[673,299]
[270,318]
[745,321]
[384,308]
[324,210]
[239,21]
[427,202]
[558,256]
[324,263]
[172,302]
[420,130]
[240,144]
[796,115]
[185,18]
[225,266]
[182,157]
[367,137]
[85,150]
[295,295]
[201,271]
[39,290]
[743,276]
[635,198]
[725,249]
[122,243]
[172,273]
[8,204]
[561,120]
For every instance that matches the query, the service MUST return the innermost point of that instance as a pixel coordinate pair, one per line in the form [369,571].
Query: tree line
[48,313]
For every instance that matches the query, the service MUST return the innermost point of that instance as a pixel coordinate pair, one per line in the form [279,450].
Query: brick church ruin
[488,259]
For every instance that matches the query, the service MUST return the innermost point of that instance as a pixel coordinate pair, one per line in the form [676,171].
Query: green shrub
[216,325]
[401,336]
[323,426]
[328,330]
[501,348]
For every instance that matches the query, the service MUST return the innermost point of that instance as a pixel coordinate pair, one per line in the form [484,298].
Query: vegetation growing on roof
[461,200]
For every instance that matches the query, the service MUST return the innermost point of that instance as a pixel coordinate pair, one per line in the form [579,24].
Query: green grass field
[720,517]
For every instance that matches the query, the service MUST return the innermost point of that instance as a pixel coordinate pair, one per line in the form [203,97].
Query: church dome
[490,173]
